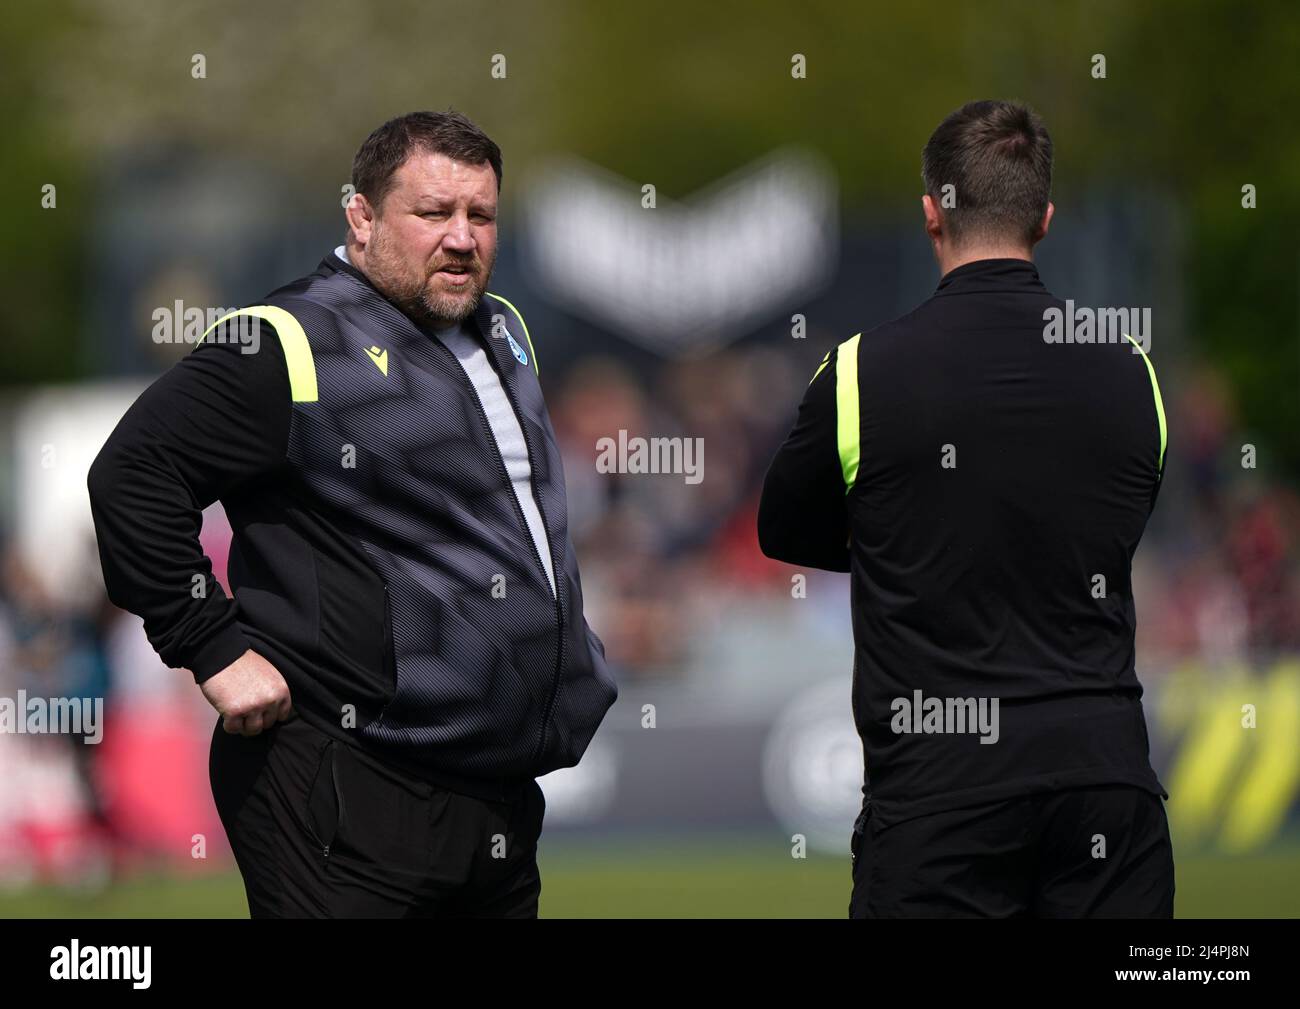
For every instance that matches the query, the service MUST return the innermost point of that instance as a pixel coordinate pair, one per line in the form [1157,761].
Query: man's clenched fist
[249,694]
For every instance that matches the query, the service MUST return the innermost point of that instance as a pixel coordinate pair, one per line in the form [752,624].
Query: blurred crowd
[1217,575]
[663,561]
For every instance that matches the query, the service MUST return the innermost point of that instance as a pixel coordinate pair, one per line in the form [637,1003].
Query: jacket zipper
[519,515]
[387,657]
[559,609]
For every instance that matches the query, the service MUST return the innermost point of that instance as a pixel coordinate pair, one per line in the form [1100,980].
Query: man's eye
[434,213]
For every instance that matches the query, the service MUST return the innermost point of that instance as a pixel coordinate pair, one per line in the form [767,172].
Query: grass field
[736,879]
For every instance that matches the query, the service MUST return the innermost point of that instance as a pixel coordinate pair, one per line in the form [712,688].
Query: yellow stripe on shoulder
[848,421]
[293,339]
[1160,403]
[821,367]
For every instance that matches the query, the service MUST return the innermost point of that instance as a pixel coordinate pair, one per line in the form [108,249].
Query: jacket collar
[481,320]
[991,275]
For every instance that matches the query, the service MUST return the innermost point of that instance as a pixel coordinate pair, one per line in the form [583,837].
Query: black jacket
[380,558]
[987,490]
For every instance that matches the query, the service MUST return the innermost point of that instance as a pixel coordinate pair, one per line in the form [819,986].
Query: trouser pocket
[860,827]
[325,801]
[861,855]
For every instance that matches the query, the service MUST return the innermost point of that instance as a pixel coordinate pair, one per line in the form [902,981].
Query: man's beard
[412,294]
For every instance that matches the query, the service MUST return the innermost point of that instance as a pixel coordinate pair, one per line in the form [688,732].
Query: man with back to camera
[986,487]
[406,649]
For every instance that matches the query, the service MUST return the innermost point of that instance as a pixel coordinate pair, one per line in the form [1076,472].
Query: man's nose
[459,237]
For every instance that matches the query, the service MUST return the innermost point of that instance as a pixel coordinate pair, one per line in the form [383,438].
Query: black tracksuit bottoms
[1094,852]
[321,829]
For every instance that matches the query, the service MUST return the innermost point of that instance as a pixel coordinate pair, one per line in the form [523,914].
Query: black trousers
[321,829]
[1100,852]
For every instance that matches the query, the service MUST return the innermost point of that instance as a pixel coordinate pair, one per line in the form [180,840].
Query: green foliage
[1199,98]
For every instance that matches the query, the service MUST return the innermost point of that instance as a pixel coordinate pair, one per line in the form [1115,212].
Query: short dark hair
[998,157]
[388,147]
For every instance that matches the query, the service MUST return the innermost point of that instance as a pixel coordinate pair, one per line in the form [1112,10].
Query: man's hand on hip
[249,694]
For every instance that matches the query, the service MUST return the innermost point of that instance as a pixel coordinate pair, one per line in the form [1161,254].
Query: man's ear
[933,219]
[1041,233]
[361,217]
